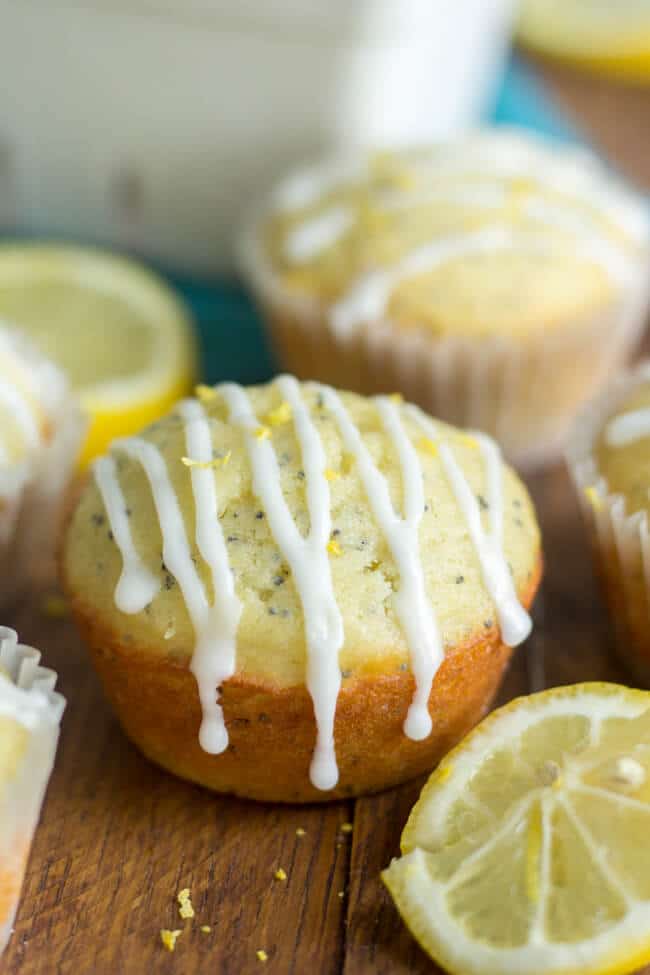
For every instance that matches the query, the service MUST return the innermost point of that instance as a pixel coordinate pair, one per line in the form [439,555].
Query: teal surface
[231,336]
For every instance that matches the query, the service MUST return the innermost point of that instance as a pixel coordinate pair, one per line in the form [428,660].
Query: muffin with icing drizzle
[493,280]
[296,594]
[609,458]
[40,433]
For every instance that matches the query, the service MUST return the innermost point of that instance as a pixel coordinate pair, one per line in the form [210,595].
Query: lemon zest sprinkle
[169,938]
[280,874]
[428,446]
[347,828]
[282,414]
[207,464]
[467,441]
[341,893]
[300,831]
[331,475]
[396,398]
[205,928]
[262,433]
[205,394]
[333,547]
[185,909]
[55,607]
[262,955]
[593,498]
[444,773]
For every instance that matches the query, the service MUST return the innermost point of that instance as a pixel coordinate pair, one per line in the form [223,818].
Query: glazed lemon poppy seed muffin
[296,594]
[477,277]
[40,433]
[610,462]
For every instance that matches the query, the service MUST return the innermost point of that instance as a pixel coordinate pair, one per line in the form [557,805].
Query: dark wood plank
[119,838]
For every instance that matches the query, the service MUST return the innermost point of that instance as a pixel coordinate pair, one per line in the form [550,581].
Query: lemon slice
[528,851]
[121,335]
[610,36]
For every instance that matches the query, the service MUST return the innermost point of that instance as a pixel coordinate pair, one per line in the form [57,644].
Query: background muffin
[40,433]
[610,462]
[320,554]
[477,277]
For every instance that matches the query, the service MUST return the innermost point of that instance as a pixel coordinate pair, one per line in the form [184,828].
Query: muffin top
[622,449]
[289,534]
[449,238]
[29,386]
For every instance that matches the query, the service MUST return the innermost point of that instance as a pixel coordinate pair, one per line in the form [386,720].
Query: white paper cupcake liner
[33,493]
[525,391]
[620,541]
[30,706]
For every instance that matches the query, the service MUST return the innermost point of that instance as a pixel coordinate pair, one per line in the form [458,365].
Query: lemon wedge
[528,852]
[122,337]
[608,36]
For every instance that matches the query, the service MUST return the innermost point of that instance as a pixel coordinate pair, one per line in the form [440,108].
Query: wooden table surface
[118,838]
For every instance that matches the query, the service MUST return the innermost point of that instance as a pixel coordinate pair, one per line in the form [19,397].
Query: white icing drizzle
[21,412]
[136,586]
[410,602]
[628,427]
[311,238]
[215,625]
[178,559]
[214,658]
[514,622]
[307,558]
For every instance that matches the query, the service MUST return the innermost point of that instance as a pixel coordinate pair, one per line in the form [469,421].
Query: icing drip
[178,559]
[214,656]
[21,412]
[514,621]
[310,238]
[367,299]
[410,601]
[136,586]
[306,556]
[628,427]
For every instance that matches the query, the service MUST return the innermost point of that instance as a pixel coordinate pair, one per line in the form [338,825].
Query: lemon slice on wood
[118,331]
[607,36]
[528,852]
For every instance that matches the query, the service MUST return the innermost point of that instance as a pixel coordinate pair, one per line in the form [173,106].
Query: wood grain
[119,838]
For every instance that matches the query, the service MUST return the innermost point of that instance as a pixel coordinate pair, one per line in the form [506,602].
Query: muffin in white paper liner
[33,490]
[523,390]
[30,716]
[620,541]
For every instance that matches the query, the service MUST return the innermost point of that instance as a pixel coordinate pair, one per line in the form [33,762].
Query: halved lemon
[528,852]
[119,332]
[608,36]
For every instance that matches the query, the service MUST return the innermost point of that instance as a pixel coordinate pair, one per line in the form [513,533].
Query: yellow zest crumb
[428,446]
[347,828]
[593,498]
[468,441]
[333,547]
[280,874]
[444,773]
[396,398]
[169,938]
[300,831]
[205,928]
[185,909]
[207,464]
[282,414]
[331,475]
[341,893]
[262,955]
[262,433]
[205,394]
[55,607]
